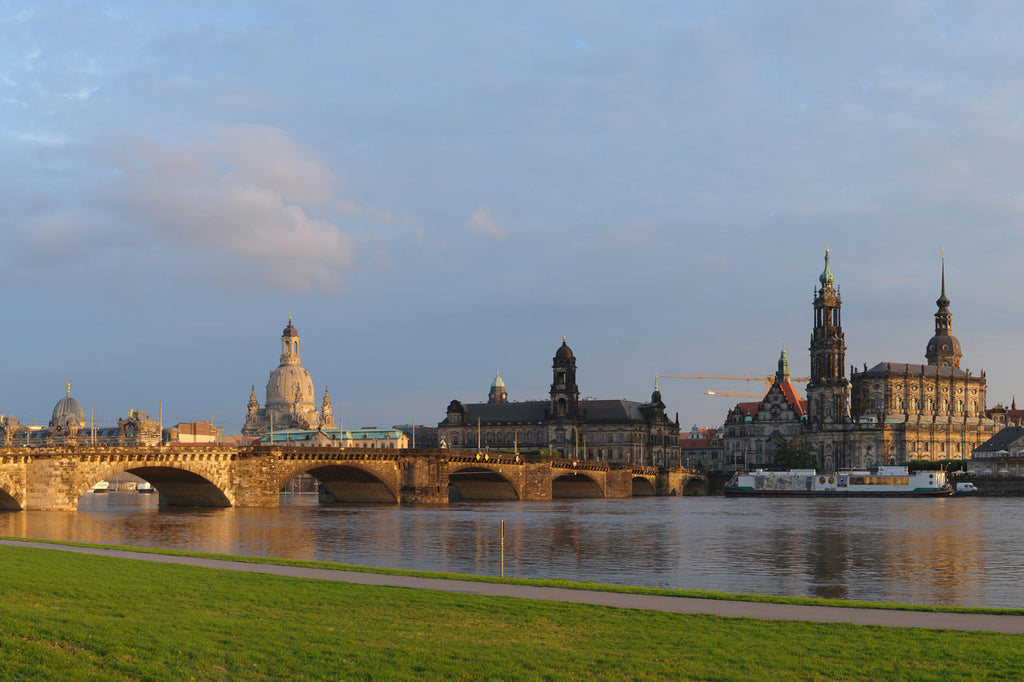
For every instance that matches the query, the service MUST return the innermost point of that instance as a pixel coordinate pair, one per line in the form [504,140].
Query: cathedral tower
[828,391]
[565,395]
[943,349]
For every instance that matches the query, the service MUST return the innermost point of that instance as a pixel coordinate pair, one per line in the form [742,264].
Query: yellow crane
[766,378]
[733,394]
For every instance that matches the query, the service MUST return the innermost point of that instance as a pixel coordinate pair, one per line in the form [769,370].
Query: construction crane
[733,394]
[766,378]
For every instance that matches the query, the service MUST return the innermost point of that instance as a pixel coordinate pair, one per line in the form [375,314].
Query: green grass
[564,584]
[66,616]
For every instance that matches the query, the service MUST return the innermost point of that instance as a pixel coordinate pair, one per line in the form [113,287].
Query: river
[951,551]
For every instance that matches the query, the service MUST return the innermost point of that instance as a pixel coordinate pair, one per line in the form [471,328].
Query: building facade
[565,425]
[753,429]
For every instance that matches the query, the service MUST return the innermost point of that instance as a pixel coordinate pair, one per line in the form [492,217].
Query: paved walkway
[729,609]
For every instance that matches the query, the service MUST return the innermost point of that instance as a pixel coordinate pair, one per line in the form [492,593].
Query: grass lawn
[69,616]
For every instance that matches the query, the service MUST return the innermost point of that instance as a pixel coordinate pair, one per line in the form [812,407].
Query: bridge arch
[576,484]
[480,483]
[9,502]
[695,487]
[177,486]
[347,482]
[643,487]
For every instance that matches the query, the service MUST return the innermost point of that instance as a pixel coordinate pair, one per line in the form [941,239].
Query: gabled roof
[746,409]
[793,398]
[1002,440]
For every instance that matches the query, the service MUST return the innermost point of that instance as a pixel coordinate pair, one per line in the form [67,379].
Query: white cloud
[481,221]
[249,193]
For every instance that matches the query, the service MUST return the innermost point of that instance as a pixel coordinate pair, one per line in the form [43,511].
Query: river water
[954,551]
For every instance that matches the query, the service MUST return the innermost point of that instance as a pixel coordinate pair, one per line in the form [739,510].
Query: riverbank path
[717,607]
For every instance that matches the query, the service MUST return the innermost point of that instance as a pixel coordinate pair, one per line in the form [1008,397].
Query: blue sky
[436,191]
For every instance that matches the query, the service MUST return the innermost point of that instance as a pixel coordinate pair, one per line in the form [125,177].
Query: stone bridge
[54,478]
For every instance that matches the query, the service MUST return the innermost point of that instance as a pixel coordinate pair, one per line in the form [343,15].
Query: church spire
[943,349]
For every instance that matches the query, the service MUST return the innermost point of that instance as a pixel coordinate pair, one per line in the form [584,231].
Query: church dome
[498,383]
[943,346]
[290,330]
[68,407]
[286,382]
[564,352]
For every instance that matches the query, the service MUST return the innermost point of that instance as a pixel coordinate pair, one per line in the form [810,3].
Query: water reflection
[946,551]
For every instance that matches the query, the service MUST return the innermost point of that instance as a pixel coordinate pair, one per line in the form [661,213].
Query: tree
[794,453]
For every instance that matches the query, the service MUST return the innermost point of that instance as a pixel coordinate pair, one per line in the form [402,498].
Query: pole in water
[503,548]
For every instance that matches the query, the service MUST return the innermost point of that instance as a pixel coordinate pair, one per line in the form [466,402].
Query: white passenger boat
[889,481]
[100,487]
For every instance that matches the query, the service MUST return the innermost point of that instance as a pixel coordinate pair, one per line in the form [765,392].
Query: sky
[438,191]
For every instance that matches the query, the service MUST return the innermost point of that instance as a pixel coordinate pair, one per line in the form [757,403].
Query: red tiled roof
[699,443]
[793,398]
[746,409]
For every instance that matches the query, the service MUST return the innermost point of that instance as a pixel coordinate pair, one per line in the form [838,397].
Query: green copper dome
[826,278]
[497,383]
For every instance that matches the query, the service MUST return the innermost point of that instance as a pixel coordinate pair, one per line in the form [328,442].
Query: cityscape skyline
[433,206]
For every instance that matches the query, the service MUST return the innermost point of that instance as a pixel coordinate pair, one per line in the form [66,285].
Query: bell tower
[565,395]
[828,391]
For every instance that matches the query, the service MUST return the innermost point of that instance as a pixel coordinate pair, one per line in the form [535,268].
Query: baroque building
[892,412]
[752,430]
[604,430]
[290,401]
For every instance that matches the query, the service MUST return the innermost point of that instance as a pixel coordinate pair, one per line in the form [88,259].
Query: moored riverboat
[886,481]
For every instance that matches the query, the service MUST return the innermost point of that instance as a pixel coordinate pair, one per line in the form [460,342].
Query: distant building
[419,436]
[290,402]
[192,432]
[1002,454]
[370,437]
[68,426]
[1006,416]
[752,429]
[605,430]
[702,448]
